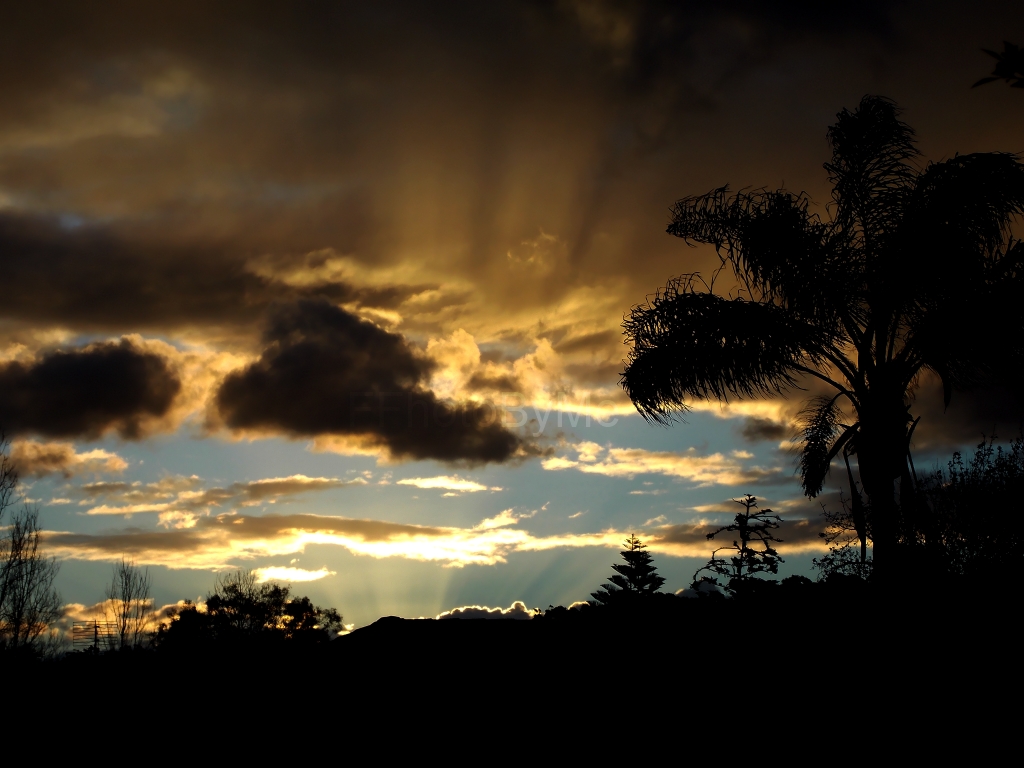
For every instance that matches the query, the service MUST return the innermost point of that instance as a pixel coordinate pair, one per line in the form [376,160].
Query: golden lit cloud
[447,483]
[36,459]
[180,500]
[289,573]
[225,541]
[704,470]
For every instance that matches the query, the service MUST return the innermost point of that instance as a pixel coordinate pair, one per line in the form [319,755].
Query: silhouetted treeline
[243,614]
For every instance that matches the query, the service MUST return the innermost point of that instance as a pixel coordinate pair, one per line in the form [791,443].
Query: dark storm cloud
[88,277]
[326,372]
[87,392]
[756,428]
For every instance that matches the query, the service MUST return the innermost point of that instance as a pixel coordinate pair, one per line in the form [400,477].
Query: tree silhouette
[754,553]
[890,284]
[1009,66]
[636,578]
[29,603]
[242,612]
[128,603]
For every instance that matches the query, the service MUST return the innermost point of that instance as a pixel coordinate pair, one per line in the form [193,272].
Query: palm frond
[824,436]
[871,167]
[961,210]
[960,325]
[693,344]
[778,249]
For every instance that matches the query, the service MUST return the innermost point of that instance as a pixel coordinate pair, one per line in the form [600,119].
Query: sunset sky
[335,290]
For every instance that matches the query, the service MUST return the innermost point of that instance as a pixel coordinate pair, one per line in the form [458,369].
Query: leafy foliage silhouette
[242,612]
[1009,66]
[636,578]
[754,553]
[858,301]
[972,504]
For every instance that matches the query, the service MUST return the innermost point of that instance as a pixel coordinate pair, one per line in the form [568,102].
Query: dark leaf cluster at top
[1009,66]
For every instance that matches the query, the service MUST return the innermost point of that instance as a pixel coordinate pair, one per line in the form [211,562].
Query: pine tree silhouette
[636,578]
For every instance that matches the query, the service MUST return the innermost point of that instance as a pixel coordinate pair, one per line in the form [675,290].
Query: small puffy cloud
[289,573]
[447,483]
[38,459]
[704,470]
[517,610]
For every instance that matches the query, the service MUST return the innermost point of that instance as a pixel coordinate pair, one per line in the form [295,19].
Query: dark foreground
[942,646]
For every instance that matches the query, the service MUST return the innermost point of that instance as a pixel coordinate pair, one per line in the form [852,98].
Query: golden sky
[352,258]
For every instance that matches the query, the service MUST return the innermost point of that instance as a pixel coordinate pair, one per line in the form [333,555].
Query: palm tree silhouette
[913,269]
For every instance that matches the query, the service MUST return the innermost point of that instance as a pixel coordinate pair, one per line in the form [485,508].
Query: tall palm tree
[914,268]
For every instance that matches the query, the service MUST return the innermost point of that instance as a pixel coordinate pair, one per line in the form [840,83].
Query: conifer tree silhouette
[891,283]
[636,578]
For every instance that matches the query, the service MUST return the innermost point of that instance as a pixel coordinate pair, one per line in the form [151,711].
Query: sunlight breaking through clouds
[290,573]
[225,541]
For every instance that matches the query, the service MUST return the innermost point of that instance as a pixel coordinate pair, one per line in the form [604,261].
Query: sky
[334,291]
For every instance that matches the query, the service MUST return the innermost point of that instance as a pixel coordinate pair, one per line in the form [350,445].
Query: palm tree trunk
[881,453]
